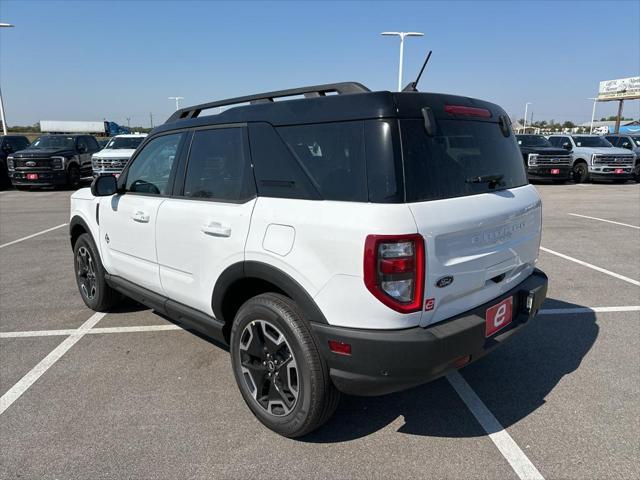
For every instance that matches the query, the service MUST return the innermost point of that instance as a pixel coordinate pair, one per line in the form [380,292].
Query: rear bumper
[385,361]
[46,178]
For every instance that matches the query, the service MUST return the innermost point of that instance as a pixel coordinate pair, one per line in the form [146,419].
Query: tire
[580,172]
[73,177]
[90,276]
[281,375]
[636,173]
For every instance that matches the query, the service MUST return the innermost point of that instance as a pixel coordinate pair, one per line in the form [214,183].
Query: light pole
[2,117]
[177,99]
[402,35]
[526,108]
[593,113]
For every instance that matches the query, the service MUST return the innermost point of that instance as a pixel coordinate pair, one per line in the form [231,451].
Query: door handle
[216,229]
[140,217]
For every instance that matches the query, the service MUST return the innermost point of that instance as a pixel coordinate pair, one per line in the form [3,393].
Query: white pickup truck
[594,158]
[115,155]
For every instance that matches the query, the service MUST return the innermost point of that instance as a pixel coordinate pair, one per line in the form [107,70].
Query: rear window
[459,160]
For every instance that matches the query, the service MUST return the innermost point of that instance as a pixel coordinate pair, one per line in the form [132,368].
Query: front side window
[332,155]
[218,167]
[151,169]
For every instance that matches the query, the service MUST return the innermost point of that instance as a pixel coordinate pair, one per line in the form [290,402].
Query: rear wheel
[281,375]
[73,177]
[580,172]
[90,276]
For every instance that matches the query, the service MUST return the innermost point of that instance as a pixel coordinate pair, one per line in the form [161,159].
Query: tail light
[394,270]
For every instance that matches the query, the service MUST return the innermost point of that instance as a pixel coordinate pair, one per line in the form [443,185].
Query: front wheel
[636,173]
[281,375]
[580,172]
[73,177]
[90,276]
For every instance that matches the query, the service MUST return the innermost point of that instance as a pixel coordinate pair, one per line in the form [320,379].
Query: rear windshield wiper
[492,180]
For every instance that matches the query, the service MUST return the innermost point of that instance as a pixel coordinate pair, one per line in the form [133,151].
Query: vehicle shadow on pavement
[512,381]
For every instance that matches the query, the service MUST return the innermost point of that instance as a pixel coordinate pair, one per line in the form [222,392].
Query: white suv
[336,243]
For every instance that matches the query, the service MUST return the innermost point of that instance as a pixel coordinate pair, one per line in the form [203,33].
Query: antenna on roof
[413,86]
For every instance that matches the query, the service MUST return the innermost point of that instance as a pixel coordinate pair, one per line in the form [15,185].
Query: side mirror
[566,146]
[104,186]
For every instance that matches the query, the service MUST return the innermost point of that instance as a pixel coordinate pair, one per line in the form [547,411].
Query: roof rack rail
[312,91]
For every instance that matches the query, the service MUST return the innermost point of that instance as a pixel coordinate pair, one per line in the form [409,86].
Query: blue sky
[91,60]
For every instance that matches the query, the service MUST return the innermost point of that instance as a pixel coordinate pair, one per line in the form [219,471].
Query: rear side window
[333,157]
[455,161]
[218,167]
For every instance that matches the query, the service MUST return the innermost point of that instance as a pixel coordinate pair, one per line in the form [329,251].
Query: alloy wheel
[269,368]
[85,272]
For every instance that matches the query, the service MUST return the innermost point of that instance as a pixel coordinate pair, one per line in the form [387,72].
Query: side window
[82,145]
[564,140]
[151,169]
[93,144]
[332,154]
[218,167]
[555,141]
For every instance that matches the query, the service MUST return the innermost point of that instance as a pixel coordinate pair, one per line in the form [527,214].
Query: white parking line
[34,235]
[603,220]
[566,311]
[594,267]
[498,435]
[54,333]
[36,372]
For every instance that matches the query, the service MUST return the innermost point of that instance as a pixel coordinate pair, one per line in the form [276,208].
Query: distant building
[626,126]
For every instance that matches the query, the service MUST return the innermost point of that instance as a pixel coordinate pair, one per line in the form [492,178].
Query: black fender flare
[268,273]
[77,220]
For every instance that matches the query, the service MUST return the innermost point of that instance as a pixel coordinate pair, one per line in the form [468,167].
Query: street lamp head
[6,25]
[404,34]
[414,34]
[391,33]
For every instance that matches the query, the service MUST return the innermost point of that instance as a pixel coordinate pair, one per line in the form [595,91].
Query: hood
[545,150]
[114,153]
[42,152]
[607,150]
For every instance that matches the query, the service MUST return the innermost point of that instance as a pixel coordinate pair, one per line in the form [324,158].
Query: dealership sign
[621,89]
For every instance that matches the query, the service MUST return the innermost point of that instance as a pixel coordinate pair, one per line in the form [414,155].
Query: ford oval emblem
[30,163]
[444,281]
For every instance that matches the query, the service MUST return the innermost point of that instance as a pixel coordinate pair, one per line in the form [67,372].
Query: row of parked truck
[63,159]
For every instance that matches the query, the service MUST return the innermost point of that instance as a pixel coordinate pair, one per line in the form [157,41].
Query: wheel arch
[244,280]
[78,226]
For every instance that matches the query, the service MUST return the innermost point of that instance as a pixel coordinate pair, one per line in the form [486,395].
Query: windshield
[464,158]
[591,142]
[124,143]
[54,141]
[533,141]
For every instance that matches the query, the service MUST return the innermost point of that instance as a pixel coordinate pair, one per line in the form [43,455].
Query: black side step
[183,314]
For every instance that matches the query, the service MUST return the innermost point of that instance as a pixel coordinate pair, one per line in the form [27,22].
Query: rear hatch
[467,189]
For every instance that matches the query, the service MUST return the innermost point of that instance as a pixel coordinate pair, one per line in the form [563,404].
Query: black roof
[356,103]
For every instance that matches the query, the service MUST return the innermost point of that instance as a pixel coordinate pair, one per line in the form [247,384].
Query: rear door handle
[216,229]
[140,217]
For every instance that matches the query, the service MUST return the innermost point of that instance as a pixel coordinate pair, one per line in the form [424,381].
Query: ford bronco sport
[349,241]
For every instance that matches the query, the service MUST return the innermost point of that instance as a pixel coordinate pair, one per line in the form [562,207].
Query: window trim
[122,179]
[181,175]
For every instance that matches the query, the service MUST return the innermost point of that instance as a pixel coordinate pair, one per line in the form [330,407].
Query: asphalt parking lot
[131,395]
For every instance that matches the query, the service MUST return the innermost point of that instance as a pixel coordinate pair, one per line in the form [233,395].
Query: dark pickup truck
[9,144]
[53,160]
[542,160]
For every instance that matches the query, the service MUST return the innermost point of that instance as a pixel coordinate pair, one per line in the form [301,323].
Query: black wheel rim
[86,273]
[580,172]
[74,177]
[269,368]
